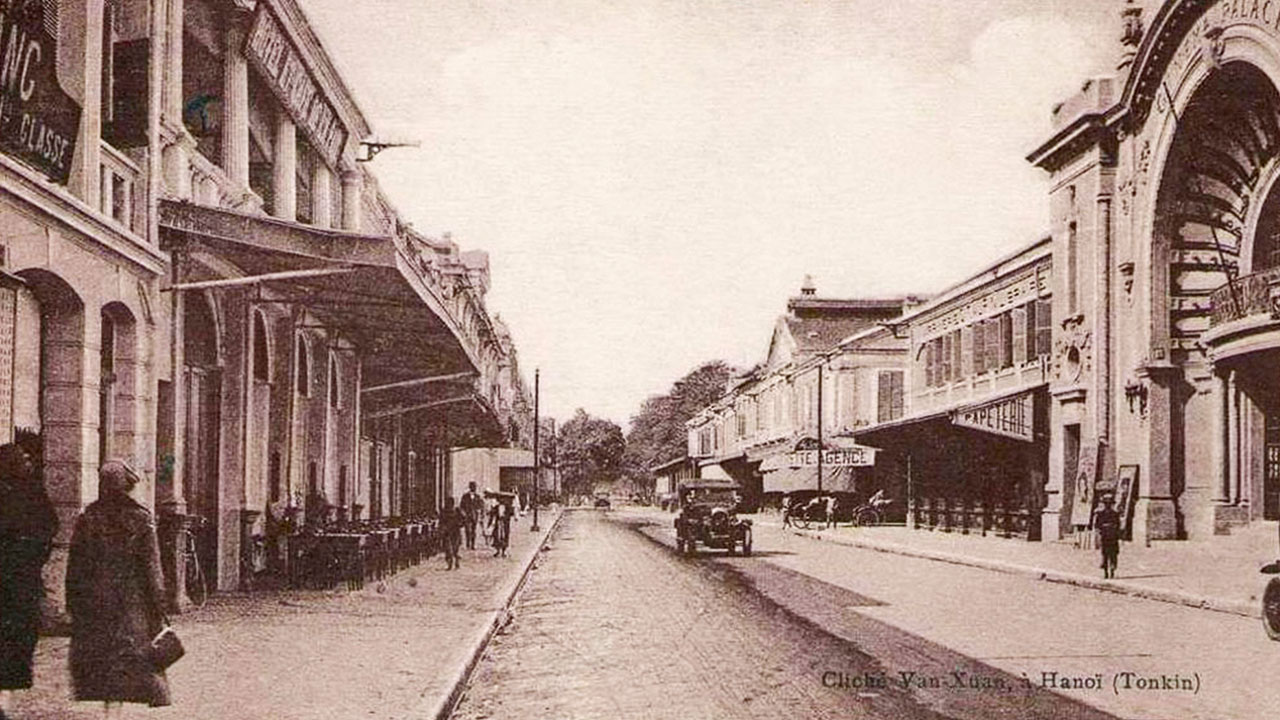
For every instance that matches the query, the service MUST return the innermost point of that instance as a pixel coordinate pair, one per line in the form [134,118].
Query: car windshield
[711,496]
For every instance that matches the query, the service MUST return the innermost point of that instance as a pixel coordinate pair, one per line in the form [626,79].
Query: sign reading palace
[281,65]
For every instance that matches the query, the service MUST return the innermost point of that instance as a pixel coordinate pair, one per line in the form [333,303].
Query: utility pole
[536,462]
[820,445]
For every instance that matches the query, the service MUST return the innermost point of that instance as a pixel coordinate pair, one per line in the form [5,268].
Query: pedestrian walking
[472,507]
[500,523]
[831,511]
[786,511]
[115,595]
[27,526]
[1107,523]
[451,522]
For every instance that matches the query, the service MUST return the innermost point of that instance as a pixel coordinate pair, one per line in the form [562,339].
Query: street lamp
[536,463]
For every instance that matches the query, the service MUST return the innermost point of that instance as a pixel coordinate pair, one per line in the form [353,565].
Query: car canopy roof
[712,484]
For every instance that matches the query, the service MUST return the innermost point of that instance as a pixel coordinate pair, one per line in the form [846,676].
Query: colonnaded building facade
[1134,349]
[198,274]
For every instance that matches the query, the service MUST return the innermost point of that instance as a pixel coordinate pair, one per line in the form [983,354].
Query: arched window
[261,358]
[303,379]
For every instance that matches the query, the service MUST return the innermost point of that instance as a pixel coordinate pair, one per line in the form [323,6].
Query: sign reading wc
[38,120]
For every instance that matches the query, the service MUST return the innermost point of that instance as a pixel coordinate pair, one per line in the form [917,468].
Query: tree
[658,431]
[590,451]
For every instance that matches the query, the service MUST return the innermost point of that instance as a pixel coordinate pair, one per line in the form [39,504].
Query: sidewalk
[400,652]
[1219,574]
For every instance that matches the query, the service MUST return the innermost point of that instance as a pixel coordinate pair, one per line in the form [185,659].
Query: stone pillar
[1222,492]
[321,200]
[1155,514]
[176,173]
[69,410]
[352,190]
[1234,438]
[285,179]
[81,36]
[235,108]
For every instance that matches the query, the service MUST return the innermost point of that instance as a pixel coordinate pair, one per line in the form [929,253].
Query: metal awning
[374,294]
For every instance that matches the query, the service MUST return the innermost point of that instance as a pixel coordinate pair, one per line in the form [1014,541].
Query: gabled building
[820,377]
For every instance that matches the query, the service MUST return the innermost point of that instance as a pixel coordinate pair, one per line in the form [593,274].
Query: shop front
[975,469]
[320,378]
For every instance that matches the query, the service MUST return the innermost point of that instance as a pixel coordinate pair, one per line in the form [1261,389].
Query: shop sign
[273,54]
[1010,416]
[857,456]
[39,122]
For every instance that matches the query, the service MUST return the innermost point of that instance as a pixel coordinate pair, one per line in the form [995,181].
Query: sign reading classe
[38,120]
[843,457]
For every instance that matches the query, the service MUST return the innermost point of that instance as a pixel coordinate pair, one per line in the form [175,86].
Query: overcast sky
[652,178]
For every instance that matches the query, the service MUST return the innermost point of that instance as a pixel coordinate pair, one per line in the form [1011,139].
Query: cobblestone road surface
[614,625]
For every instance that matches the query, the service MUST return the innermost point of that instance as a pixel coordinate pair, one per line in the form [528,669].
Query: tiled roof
[815,334]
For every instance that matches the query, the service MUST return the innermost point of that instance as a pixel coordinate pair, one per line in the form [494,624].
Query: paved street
[614,624]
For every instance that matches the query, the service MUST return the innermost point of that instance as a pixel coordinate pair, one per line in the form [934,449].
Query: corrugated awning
[383,303]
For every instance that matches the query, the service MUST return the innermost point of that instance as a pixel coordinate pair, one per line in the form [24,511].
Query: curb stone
[1202,602]
[440,708]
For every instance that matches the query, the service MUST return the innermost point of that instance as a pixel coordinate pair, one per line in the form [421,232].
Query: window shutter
[966,351]
[957,356]
[896,402]
[993,343]
[944,347]
[1019,336]
[884,396]
[928,364]
[1006,339]
[1044,327]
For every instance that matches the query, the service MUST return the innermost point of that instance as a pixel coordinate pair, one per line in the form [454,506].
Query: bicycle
[196,586]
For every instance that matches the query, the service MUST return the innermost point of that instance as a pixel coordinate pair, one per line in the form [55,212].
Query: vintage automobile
[708,515]
[1271,601]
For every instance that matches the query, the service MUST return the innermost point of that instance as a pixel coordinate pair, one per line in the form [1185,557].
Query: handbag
[165,648]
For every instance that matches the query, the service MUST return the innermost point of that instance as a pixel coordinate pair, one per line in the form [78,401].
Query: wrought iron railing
[1247,295]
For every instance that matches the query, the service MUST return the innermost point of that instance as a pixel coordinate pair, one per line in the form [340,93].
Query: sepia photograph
[639,359]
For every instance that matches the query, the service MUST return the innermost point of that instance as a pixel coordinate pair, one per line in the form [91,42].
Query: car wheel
[1271,609]
[746,544]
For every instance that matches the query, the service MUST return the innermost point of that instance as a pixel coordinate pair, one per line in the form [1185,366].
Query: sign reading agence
[842,457]
[39,122]
[280,63]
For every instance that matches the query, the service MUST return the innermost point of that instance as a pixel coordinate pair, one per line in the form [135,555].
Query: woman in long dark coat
[27,527]
[115,595]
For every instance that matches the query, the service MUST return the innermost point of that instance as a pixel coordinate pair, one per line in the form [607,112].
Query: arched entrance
[202,385]
[1219,210]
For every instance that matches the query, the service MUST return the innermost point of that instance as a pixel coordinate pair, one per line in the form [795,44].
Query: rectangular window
[992,360]
[1044,327]
[944,344]
[1006,339]
[889,400]
[1019,336]
[957,356]
[929,365]
[966,352]
[979,347]
[1073,263]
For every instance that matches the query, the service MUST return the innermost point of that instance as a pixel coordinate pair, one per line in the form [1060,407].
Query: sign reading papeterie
[38,120]
[1011,416]
[271,51]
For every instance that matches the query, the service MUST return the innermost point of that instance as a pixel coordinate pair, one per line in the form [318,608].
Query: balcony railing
[1248,295]
[119,188]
